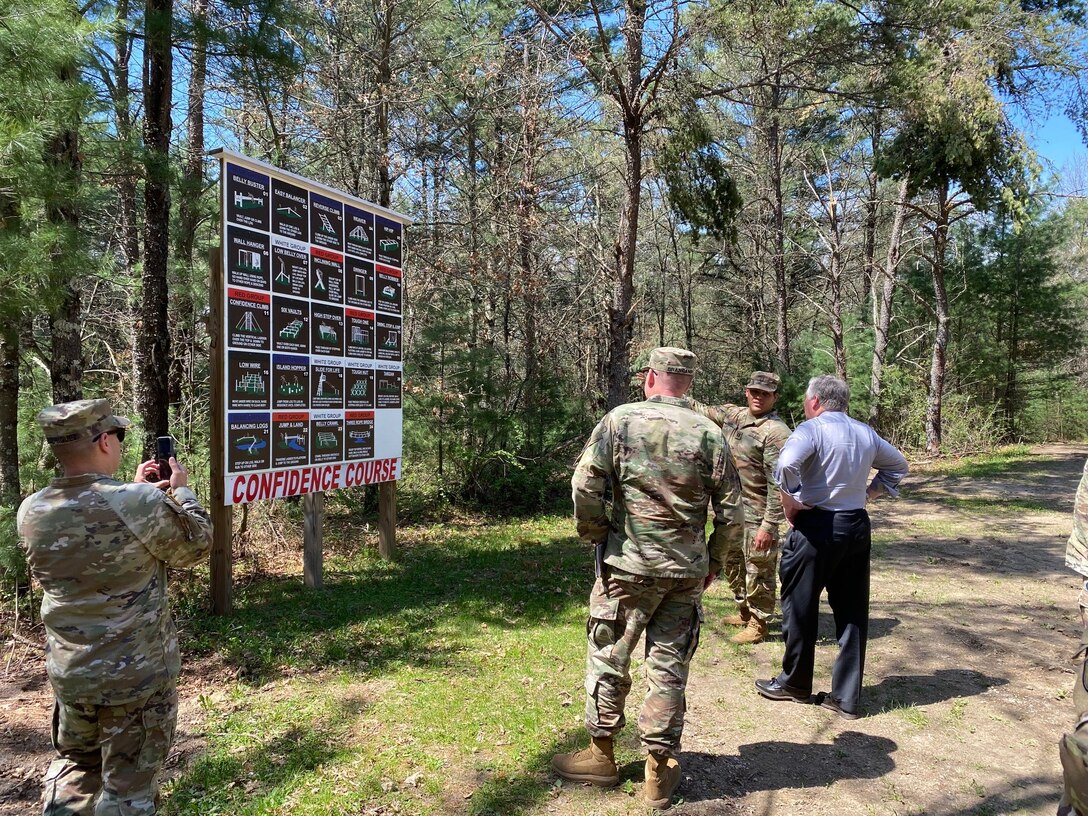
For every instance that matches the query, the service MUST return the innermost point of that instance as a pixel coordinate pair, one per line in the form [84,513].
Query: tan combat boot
[595,765]
[662,780]
[744,614]
[754,632]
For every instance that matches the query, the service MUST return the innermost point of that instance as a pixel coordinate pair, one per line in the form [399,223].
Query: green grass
[991,505]
[457,668]
[994,463]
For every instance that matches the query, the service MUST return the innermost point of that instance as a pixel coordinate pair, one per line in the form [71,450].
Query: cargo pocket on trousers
[159,720]
[601,625]
[696,626]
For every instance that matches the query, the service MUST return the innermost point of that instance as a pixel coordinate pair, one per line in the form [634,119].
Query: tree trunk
[66,365]
[66,368]
[940,339]
[183,312]
[778,258]
[527,227]
[621,308]
[872,216]
[620,317]
[128,228]
[385,84]
[1012,380]
[10,487]
[884,309]
[152,350]
[837,341]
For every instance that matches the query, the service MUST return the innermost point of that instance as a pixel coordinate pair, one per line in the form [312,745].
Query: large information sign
[312,308]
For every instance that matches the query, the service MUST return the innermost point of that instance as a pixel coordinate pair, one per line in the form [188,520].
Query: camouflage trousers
[109,757]
[1073,746]
[751,573]
[622,608]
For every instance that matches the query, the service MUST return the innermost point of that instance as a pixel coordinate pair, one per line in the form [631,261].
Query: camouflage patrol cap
[672,360]
[764,381]
[75,421]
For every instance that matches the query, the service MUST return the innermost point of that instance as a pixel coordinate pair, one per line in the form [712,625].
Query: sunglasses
[118,432]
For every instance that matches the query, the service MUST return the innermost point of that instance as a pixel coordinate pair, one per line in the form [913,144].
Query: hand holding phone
[164,451]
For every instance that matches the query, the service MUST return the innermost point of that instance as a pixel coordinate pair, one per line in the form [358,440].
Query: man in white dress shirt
[823,473]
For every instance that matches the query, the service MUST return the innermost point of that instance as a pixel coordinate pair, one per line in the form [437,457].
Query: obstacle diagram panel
[312,321]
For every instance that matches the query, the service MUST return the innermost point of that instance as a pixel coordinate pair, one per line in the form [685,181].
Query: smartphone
[164,449]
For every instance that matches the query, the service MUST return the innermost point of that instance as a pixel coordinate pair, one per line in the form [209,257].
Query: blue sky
[1056,140]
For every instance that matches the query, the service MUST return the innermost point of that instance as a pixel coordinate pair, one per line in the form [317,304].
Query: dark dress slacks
[826,549]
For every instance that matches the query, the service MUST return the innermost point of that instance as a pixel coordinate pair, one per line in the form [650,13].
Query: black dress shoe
[831,704]
[773,690]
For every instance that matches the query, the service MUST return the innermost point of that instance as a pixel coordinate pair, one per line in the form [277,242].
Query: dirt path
[973,621]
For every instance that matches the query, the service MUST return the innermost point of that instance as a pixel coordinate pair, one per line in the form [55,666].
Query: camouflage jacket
[1076,551]
[658,464]
[755,443]
[100,548]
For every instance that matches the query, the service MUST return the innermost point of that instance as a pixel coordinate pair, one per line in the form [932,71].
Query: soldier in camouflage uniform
[1073,746]
[100,548]
[658,464]
[755,435]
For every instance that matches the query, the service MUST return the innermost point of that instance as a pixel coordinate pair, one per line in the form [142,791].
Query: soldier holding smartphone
[100,549]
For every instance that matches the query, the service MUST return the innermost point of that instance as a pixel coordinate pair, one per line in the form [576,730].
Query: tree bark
[883,323]
[10,486]
[778,215]
[620,310]
[66,368]
[527,227]
[152,350]
[128,228]
[66,364]
[940,338]
[183,311]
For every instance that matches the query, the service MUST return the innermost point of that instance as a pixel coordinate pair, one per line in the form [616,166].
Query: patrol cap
[75,421]
[764,381]
[672,360]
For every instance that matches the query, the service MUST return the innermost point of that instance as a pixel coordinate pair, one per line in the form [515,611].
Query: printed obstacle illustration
[250,445]
[326,224]
[243,201]
[251,383]
[291,330]
[248,324]
[326,388]
[250,261]
[291,388]
[295,442]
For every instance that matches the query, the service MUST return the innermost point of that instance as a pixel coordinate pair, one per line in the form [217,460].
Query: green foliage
[701,190]
[13,566]
[961,63]
[42,44]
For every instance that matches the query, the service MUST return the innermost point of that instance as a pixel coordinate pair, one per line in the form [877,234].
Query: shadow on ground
[776,764]
[903,691]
